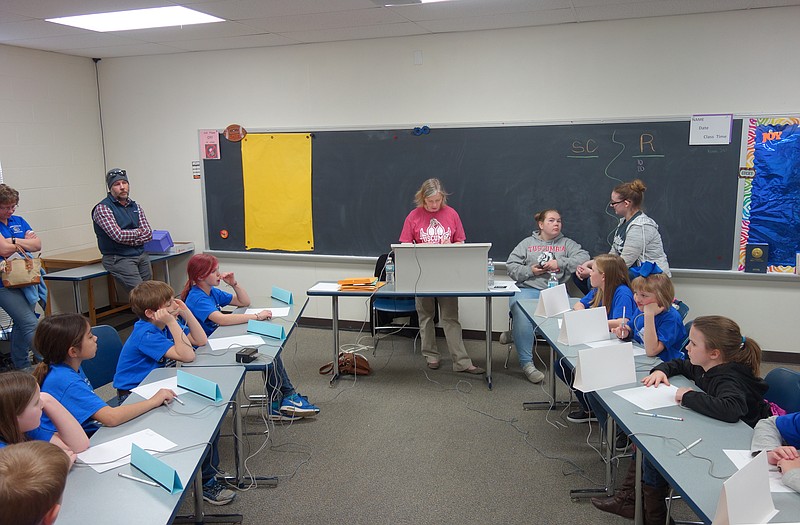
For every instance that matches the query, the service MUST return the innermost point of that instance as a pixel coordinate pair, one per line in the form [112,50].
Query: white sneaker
[506,338]
[533,375]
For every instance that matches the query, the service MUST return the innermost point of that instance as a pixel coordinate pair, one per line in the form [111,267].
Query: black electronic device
[246,355]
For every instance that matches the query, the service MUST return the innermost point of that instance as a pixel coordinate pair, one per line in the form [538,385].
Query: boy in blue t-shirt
[158,335]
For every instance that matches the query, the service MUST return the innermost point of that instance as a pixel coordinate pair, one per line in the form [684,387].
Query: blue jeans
[278,381]
[522,327]
[13,301]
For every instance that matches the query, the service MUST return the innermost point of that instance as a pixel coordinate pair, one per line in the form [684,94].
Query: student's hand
[679,394]
[656,378]
[264,314]
[164,317]
[183,310]
[788,464]
[164,395]
[537,270]
[550,266]
[71,455]
[228,278]
[652,309]
[785,452]
[623,331]
[584,270]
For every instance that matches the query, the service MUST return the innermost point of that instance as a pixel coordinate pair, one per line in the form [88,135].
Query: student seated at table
[33,475]
[610,290]
[655,324]
[22,405]
[65,341]
[205,301]
[157,336]
[780,436]
[725,365]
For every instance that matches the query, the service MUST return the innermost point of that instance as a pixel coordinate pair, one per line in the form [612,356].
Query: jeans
[210,465]
[521,326]
[13,301]
[567,375]
[278,384]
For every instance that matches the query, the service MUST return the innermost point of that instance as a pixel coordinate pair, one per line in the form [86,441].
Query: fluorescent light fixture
[137,19]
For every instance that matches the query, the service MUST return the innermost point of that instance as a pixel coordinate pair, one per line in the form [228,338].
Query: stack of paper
[360,284]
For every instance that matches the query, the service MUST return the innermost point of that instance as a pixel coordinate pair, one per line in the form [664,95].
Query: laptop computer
[441,267]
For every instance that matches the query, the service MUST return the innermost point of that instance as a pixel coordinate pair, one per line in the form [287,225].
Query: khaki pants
[448,309]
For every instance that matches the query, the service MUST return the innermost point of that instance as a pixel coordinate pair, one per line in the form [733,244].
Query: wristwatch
[13,240]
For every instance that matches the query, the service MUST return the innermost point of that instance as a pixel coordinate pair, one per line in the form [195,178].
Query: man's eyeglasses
[612,203]
[8,208]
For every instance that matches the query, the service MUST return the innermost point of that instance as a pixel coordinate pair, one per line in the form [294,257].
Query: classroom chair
[784,389]
[6,325]
[101,368]
[390,308]
[681,307]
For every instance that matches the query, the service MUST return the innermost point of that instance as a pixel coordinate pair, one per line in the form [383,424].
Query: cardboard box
[160,243]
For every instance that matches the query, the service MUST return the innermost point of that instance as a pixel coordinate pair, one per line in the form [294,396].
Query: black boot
[623,502]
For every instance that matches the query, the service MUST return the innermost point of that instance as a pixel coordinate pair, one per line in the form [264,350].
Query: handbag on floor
[349,363]
[20,272]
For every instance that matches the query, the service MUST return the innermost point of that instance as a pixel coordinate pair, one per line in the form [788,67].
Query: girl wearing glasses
[636,238]
[17,235]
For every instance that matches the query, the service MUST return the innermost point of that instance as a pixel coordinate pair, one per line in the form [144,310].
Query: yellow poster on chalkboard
[276,170]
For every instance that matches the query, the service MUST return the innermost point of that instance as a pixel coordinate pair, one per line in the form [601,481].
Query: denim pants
[13,301]
[278,384]
[521,326]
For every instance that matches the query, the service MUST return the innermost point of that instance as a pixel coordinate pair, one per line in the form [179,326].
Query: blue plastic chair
[394,307]
[101,368]
[681,307]
[784,389]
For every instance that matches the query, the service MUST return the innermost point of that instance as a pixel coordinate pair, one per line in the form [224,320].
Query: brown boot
[655,506]
[623,502]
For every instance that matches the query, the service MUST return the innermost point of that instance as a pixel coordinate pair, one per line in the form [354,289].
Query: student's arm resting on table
[69,432]
[729,404]
[113,416]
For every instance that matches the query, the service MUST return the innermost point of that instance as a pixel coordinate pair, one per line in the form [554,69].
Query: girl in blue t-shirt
[655,324]
[65,341]
[610,290]
[22,406]
[205,301]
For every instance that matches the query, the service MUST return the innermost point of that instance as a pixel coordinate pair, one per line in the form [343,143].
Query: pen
[176,398]
[690,446]
[660,416]
[140,480]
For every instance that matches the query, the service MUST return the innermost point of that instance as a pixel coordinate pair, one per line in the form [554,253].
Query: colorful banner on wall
[772,198]
[276,171]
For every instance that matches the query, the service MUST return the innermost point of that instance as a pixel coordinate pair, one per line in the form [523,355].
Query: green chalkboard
[363,183]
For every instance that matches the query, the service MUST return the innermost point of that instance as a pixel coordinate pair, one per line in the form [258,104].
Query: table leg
[638,514]
[76,294]
[201,517]
[335,327]
[551,378]
[489,342]
[166,272]
[92,311]
[608,490]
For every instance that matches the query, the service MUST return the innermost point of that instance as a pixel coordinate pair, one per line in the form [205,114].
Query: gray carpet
[411,445]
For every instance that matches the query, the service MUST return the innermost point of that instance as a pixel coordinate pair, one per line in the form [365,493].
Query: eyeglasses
[612,203]
[8,208]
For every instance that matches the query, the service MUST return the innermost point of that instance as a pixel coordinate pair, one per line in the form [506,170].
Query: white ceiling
[259,23]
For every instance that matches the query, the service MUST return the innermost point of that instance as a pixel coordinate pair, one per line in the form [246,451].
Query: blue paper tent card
[156,469]
[282,295]
[200,386]
[266,328]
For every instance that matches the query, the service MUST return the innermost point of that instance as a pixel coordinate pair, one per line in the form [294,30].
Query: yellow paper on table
[276,170]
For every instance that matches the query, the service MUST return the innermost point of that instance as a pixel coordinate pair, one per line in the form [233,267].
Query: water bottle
[490,271]
[553,281]
[389,270]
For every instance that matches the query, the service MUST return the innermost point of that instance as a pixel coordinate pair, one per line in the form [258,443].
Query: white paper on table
[235,342]
[745,496]
[325,287]
[637,350]
[650,397]
[505,285]
[149,390]
[117,452]
[276,312]
[740,458]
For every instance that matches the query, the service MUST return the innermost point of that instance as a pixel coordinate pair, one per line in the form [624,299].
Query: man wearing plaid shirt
[122,230]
